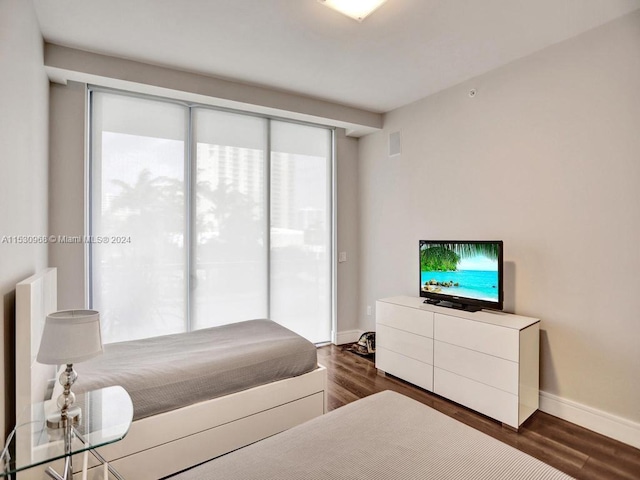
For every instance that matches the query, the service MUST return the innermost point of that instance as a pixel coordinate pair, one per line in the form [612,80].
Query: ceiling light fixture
[356,9]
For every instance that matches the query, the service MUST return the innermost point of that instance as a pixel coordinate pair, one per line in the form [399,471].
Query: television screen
[463,274]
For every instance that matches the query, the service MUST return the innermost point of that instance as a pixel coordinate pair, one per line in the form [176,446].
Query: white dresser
[487,361]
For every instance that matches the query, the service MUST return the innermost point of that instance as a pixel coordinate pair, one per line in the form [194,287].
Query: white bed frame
[163,444]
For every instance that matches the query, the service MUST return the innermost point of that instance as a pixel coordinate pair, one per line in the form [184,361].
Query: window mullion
[190,222]
[267,236]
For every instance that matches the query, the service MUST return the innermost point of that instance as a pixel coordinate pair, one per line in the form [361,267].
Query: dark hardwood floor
[580,453]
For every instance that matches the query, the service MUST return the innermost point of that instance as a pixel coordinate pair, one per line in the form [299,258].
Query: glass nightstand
[106,417]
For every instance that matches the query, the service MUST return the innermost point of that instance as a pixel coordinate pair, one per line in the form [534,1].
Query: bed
[385,436]
[168,372]
[169,438]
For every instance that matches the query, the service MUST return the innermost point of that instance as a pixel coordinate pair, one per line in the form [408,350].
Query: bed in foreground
[384,436]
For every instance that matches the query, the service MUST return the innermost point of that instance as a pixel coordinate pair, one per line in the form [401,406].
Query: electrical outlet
[369,310]
[342,257]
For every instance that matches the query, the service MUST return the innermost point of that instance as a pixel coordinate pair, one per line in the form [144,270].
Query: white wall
[65,63]
[23,179]
[66,189]
[347,237]
[547,158]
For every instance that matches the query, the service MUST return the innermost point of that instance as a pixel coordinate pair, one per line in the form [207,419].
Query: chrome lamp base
[68,414]
[56,420]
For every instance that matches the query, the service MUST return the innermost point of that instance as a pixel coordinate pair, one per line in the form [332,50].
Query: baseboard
[348,336]
[601,422]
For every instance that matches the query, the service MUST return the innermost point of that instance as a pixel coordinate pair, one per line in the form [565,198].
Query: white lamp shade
[70,336]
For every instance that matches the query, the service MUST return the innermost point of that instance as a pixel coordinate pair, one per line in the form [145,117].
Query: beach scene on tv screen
[467,270]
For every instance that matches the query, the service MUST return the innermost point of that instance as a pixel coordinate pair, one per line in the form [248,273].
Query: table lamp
[69,337]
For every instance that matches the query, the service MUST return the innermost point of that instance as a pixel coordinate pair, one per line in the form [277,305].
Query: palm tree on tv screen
[444,257]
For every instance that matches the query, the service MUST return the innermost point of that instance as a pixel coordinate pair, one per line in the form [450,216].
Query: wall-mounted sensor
[472,93]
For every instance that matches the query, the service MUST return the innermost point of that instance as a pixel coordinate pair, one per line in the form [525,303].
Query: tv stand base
[456,306]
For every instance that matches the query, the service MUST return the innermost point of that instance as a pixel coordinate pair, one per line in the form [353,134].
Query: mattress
[385,436]
[172,371]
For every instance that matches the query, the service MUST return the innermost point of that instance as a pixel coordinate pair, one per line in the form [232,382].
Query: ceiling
[404,51]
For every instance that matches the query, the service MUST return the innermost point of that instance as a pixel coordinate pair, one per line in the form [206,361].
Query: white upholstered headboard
[36,297]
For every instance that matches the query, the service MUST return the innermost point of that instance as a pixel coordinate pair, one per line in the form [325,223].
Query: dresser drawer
[409,369]
[405,343]
[490,401]
[405,318]
[493,371]
[482,337]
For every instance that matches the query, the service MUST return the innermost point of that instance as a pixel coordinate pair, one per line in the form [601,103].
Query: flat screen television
[462,274]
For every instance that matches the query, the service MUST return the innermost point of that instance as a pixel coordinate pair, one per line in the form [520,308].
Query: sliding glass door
[230,232]
[212,217]
[300,274]
[138,269]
